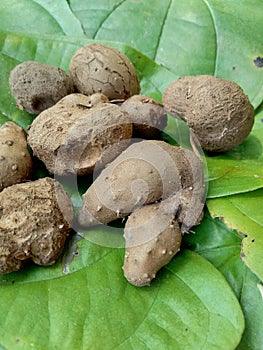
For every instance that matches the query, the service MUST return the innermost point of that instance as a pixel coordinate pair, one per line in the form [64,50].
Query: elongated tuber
[15,159]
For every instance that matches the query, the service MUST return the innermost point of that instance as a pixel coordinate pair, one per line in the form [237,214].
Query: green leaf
[178,310]
[188,37]
[244,213]
[239,170]
[221,246]
[38,16]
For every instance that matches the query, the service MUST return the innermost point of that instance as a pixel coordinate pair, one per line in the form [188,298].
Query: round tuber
[37,86]
[99,68]
[144,173]
[217,110]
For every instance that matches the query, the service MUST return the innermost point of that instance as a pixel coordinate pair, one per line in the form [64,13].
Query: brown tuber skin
[147,115]
[37,86]
[72,136]
[144,173]
[35,221]
[99,68]
[217,110]
[15,160]
[152,237]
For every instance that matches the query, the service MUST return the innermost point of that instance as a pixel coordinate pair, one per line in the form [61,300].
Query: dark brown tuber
[35,220]
[37,86]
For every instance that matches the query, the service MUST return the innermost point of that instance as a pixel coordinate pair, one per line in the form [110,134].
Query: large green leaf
[188,37]
[95,308]
[245,214]
[221,246]
[38,16]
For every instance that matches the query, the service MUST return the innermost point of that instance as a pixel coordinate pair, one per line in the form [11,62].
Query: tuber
[152,238]
[147,115]
[99,68]
[15,159]
[71,137]
[217,110]
[37,86]
[35,220]
[144,173]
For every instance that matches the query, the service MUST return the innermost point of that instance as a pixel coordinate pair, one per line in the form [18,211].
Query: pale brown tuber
[144,173]
[99,68]
[15,159]
[147,115]
[73,136]
[152,238]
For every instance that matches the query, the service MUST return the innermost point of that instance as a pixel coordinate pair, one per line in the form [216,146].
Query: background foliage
[210,295]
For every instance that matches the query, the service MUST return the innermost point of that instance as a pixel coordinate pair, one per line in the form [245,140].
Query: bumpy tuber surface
[147,115]
[35,221]
[152,238]
[217,110]
[144,173]
[15,160]
[73,136]
[37,86]
[99,68]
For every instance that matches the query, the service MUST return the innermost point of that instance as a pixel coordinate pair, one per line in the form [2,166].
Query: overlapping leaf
[220,245]
[245,214]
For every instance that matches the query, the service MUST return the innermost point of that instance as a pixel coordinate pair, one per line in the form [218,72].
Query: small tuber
[15,159]
[37,86]
[152,238]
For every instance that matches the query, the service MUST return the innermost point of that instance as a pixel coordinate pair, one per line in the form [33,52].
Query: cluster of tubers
[95,121]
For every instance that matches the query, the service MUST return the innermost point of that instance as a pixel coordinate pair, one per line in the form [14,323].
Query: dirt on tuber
[35,220]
